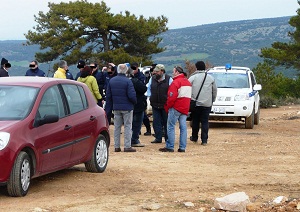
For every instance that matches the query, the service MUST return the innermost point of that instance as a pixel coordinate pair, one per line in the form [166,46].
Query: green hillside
[237,42]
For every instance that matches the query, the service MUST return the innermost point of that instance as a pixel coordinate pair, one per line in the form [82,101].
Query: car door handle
[92,118]
[67,127]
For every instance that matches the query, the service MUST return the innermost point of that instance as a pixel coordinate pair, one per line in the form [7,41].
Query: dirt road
[262,162]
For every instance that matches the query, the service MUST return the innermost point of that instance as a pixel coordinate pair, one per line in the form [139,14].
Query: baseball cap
[159,67]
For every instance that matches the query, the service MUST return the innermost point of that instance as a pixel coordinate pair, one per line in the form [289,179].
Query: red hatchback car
[46,125]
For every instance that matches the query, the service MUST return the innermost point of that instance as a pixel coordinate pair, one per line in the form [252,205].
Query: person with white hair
[121,98]
[62,69]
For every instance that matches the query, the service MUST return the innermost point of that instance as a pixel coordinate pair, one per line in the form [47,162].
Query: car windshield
[231,80]
[16,101]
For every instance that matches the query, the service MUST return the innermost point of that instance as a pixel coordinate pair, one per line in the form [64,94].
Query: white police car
[238,96]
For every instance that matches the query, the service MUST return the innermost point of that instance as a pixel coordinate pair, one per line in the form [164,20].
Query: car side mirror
[47,119]
[257,87]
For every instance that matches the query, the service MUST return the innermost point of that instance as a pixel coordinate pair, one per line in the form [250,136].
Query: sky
[17,16]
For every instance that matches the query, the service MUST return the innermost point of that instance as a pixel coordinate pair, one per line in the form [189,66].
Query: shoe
[203,143]
[156,142]
[129,149]
[166,150]
[138,145]
[181,150]
[147,133]
[193,139]
[117,149]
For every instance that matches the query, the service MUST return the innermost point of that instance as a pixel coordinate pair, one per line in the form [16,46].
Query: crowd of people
[123,91]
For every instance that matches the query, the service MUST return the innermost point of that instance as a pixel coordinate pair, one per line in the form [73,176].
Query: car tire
[249,122]
[99,158]
[256,116]
[19,181]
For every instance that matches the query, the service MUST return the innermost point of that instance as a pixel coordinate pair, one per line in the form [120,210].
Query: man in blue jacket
[137,73]
[34,70]
[121,98]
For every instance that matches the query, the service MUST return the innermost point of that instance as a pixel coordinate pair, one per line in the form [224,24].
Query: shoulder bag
[193,102]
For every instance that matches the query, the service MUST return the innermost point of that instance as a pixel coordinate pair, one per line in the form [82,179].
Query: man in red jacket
[177,107]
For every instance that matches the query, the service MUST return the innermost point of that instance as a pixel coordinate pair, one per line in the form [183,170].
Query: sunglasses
[93,67]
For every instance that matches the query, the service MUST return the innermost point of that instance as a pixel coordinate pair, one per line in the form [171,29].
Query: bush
[268,101]
[276,88]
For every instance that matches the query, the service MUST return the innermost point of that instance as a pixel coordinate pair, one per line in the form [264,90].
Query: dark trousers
[160,118]
[201,115]
[146,122]
[109,116]
[137,122]
[99,103]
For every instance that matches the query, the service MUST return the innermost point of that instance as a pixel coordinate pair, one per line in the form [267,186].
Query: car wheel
[99,158]
[256,116]
[19,181]
[249,122]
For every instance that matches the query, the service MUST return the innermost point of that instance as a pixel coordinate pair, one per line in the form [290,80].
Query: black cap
[5,63]
[81,64]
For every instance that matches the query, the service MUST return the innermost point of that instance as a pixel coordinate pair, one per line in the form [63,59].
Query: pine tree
[83,30]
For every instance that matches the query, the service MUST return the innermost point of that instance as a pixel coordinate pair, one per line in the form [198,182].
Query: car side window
[51,103]
[83,96]
[75,97]
[253,81]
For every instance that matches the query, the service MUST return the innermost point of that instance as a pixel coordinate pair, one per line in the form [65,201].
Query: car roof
[32,81]
[234,69]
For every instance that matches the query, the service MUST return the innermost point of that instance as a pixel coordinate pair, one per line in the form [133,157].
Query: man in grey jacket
[204,103]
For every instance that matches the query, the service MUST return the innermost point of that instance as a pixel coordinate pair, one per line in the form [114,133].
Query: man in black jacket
[158,92]
[5,65]
[139,108]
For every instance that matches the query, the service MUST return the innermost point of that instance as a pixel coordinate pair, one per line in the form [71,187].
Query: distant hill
[236,42]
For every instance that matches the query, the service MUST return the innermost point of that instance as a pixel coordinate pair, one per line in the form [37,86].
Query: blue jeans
[173,116]
[160,118]
[136,126]
[123,117]
[201,115]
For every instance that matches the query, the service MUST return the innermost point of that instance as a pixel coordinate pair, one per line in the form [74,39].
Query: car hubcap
[25,175]
[101,153]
